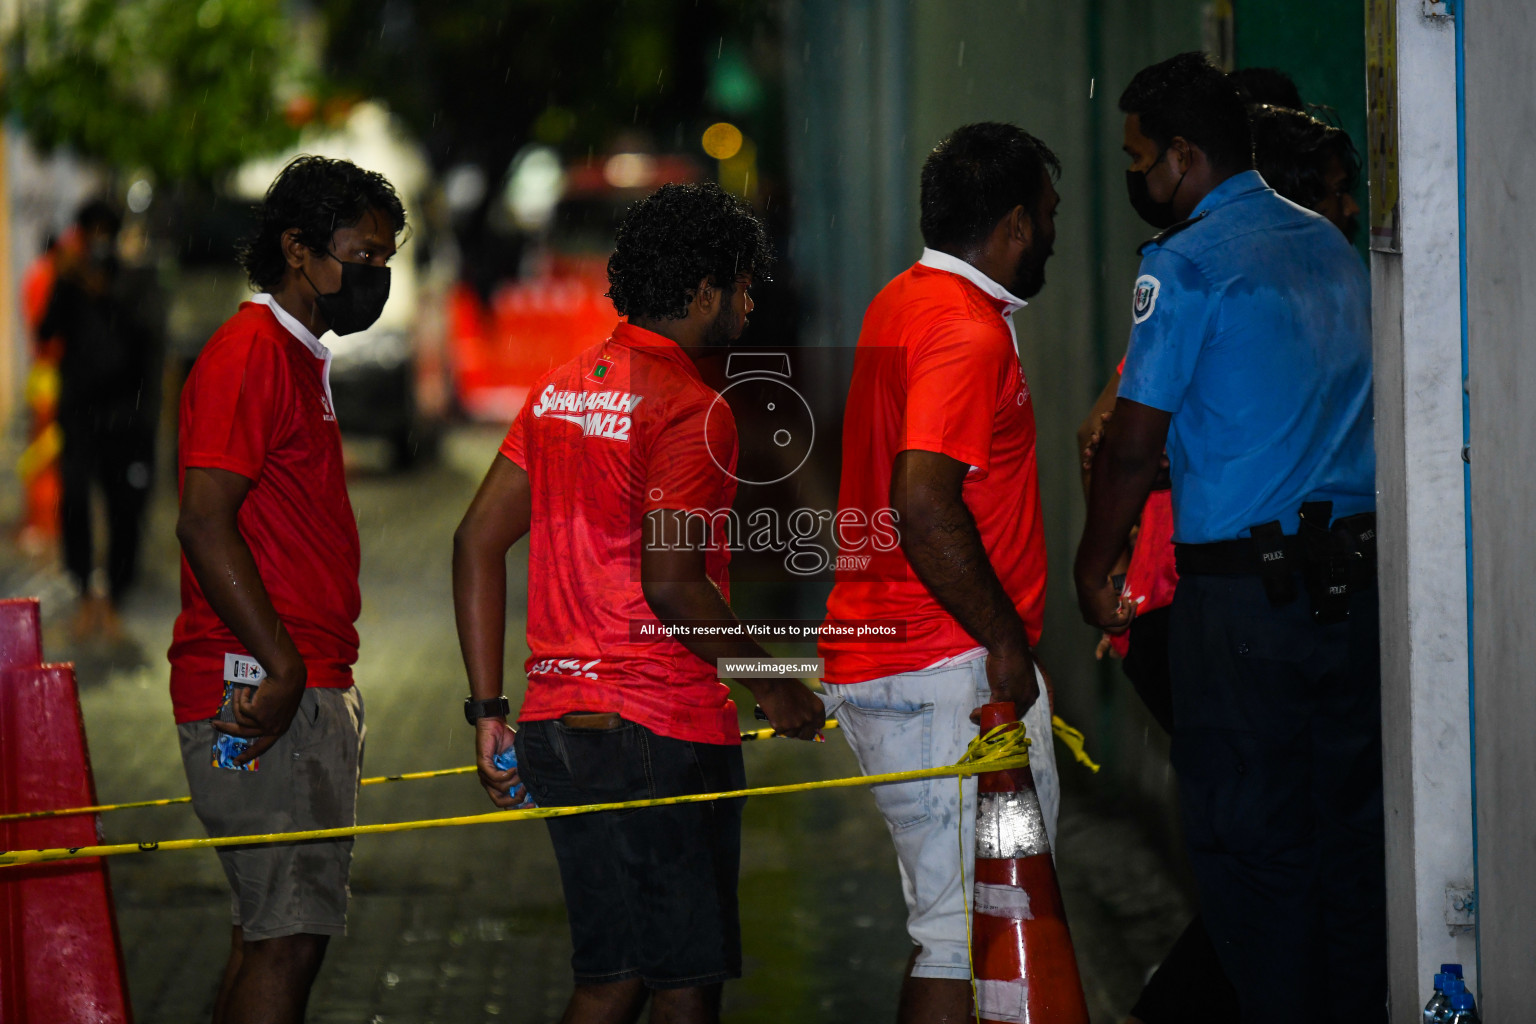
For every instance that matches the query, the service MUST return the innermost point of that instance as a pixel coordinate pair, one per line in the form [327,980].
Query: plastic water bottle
[1438,1009]
[1464,1008]
[1454,987]
[506,761]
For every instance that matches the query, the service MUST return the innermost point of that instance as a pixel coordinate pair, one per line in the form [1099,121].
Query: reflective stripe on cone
[1026,970]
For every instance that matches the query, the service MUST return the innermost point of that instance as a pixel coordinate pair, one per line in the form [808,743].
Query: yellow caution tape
[999,750]
[63,812]
[1070,737]
[767,733]
[1073,741]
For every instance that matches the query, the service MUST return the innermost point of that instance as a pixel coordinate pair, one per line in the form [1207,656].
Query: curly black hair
[1269,86]
[975,176]
[1189,97]
[1293,150]
[319,196]
[676,237]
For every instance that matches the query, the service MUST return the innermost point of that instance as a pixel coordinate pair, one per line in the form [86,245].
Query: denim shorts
[307,780]
[650,892]
[922,720]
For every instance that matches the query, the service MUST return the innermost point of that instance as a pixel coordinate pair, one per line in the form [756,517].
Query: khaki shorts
[307,780]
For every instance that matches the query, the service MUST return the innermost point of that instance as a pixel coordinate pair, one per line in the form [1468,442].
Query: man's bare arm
[225,569]
[941,541]
[1091,431]
[497,518]
[1124,470]
[680,592]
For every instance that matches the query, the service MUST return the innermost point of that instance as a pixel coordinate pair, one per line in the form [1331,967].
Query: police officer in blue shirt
[1250,361]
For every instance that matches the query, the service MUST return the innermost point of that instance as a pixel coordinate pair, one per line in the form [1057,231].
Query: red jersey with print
[936,370]
[256,404]
[626,428]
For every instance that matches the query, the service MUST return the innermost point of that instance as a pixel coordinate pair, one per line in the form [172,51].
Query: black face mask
[356,305]
[1159,215]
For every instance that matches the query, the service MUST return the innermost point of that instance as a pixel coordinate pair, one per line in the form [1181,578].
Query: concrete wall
[1501,316]
[873,85]
[1420,505]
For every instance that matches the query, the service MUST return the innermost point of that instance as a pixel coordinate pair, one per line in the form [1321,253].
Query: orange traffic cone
[60,958]
[1026,971]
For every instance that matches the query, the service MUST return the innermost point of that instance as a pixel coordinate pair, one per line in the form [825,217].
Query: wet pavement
[468,924]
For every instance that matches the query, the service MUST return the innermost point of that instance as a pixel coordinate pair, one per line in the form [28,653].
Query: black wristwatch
[495,707]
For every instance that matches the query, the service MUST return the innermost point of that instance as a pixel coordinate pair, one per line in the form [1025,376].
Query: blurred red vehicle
[558,306]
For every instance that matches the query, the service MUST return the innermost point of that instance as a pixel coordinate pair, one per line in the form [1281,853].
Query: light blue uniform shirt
[1252,327]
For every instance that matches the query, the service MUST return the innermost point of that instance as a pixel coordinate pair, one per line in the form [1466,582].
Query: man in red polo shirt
[940,429]
[270,724]
[612,466]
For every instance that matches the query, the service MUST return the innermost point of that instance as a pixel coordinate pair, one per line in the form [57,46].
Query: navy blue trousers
[1277,746]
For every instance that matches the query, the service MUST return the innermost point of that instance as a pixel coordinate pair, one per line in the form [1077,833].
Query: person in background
[270,723]
[1250,362]
[609,465]
[1309,162]
[38,464]
[108,325]
[939,437]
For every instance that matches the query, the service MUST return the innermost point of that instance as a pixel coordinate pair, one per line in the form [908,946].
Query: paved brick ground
[468,924]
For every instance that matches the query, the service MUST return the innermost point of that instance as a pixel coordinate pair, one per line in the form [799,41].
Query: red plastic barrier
[60,959]
[1026,969]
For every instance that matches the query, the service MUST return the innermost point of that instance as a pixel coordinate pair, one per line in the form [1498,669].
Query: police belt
[1333,559]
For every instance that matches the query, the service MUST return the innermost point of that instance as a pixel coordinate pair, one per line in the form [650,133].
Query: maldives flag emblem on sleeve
[600,372]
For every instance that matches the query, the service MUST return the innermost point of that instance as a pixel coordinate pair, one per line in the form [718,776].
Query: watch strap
[494,707]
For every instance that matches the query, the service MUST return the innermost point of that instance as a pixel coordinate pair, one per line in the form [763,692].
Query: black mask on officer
[356,305]
[1159,215]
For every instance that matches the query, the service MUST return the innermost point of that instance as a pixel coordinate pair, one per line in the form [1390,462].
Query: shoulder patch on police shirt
[1144,300]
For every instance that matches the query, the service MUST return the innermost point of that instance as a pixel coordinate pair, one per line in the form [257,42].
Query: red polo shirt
[257,403]
[625,428]
[936,370]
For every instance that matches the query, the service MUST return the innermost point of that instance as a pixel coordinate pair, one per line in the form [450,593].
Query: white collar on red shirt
[937,260]
[296,328]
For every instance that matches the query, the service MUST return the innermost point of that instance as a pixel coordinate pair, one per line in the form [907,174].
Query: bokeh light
[722,140]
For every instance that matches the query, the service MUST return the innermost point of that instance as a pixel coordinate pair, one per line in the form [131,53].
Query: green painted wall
[1322,47]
